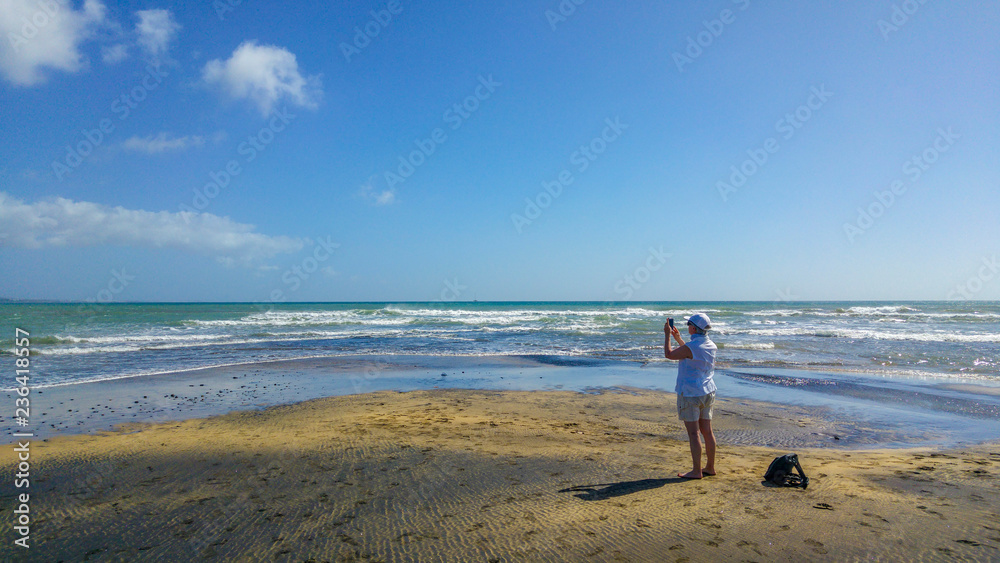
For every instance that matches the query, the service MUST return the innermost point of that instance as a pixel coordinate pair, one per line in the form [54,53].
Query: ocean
[75,343]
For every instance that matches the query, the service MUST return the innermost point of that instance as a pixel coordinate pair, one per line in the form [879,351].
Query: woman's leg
[705,425]
[695,443]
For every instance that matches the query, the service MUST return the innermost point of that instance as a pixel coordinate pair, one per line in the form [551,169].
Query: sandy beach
[429,282]
[474,475]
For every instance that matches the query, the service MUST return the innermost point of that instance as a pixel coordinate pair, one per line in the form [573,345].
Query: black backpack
[780,472]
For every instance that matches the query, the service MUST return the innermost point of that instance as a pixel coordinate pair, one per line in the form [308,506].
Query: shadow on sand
[611,490]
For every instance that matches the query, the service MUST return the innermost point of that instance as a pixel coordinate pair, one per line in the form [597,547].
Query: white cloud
[162,143]
[36,35]
[265,75]
[114,54]
[63,222]
[156,28]
[384,197]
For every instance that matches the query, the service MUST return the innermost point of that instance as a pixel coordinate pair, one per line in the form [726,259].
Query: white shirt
[695,376]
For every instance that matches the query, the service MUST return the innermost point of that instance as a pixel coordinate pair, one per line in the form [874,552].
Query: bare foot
[707,473]
[689,475]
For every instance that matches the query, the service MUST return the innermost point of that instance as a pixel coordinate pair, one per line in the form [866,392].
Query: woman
[695,388]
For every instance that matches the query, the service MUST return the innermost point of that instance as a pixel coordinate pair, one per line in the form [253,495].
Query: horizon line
[8,301]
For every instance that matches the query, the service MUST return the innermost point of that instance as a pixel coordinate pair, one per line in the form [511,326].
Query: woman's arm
[682,352]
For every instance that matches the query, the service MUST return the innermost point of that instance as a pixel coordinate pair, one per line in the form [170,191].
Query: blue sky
[720,150]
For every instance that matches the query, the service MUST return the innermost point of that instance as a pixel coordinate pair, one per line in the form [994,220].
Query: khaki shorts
[691,409]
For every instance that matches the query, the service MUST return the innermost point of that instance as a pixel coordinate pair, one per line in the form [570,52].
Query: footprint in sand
[870,515]
[707,523]
[934,512]
[817,546]
[972,543]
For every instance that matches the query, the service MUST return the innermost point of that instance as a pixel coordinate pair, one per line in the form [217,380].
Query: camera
[671,323]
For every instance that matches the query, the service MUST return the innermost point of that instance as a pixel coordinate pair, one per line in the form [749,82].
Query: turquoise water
[73,343]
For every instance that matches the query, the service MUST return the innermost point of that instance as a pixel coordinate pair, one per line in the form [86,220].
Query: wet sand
[480,475]
[861,412]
